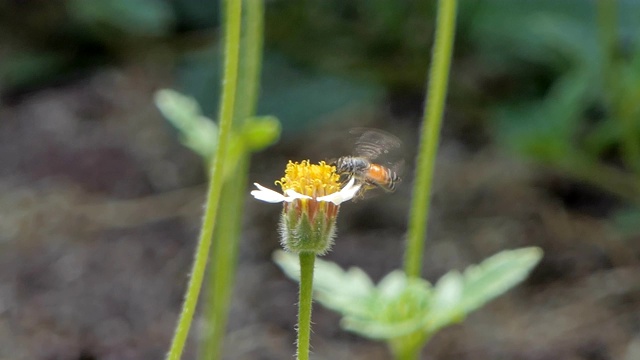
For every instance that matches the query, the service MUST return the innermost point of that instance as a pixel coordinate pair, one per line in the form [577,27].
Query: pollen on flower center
[313,180]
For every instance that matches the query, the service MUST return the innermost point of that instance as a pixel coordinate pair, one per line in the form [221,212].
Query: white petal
[347,193]
[292,195]
[267,195]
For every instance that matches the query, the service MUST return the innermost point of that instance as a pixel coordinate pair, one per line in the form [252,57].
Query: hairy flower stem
[307,261]
[232,40]
[430,134]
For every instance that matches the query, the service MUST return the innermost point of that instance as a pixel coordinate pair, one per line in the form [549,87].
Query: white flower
[345,194]
[270,196]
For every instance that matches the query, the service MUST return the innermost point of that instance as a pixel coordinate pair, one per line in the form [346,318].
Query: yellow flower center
[310,179]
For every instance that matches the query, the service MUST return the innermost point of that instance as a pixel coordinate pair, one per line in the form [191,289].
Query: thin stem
[232,40]
[307,260]
[430,134]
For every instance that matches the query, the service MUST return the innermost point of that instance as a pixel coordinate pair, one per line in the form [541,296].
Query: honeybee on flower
[311,194]
[369,146]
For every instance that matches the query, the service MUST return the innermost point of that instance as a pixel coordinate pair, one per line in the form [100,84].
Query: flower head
[312,195]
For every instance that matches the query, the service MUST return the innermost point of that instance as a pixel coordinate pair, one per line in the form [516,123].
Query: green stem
[307,260]
[408,347]
[232,41]
[430,134]
[251,61]
[225,248]
[224,257]
[404,353]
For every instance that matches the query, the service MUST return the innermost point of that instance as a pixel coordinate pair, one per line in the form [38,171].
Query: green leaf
[296,96]
[545,129]
[344,291]
[24,68]
[197,132]
[399,307]
[627,221]
[495,275]
[112,18]
[261,131]
[403,309]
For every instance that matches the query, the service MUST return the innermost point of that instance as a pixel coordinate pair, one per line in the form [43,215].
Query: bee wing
[398,167]
[372,143]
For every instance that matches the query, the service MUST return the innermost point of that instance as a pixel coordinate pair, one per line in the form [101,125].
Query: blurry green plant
[111,20]
[226,148]
[585,121]
[299,97]
[405,310]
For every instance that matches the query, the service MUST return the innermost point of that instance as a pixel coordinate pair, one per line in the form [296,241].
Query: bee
[370,145]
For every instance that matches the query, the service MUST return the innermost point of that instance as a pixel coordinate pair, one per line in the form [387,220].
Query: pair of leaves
[200,134]
[400,306]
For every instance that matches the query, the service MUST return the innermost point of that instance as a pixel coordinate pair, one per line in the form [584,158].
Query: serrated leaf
[408,308]
[328,277]
[496,275]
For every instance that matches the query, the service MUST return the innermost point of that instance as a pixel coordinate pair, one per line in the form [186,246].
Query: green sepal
[300,233]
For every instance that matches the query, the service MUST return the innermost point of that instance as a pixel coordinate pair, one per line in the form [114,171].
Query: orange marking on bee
[378,173]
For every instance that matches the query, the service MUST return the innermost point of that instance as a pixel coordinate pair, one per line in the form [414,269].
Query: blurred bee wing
[398,167]
[372,143]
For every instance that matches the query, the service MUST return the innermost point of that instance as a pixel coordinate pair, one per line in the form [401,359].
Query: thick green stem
[251,60]
[403,353]
[232,41]
[430,134]
[227,236]
[224,256]
[307,260]
[408,347]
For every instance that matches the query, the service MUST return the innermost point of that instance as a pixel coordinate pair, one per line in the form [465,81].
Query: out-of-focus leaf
[456,295]
[297,97]
[25,68]
[261,131]
[545,129]
[347,292]
[399,307]
[627,221]
[112,18]
[495,275]
[405,309]
[602,137]
[197,132]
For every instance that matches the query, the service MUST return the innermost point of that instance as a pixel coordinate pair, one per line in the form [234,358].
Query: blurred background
[101,204]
